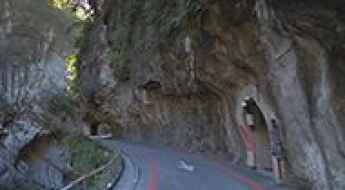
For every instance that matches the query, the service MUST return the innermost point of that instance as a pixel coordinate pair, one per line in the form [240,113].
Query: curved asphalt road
[160,169]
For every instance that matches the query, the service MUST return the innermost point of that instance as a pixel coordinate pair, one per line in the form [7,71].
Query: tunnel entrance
[260,136]
[262,139]
[94,130]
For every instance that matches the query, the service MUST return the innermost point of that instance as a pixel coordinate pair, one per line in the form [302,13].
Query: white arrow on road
[183,165]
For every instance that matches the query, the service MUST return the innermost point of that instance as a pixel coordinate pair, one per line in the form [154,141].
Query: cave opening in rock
[94,130]
[255,120]
[147,91]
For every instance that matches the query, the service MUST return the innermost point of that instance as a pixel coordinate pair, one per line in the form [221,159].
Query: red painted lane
[251,183]
[248,137]
[154,181]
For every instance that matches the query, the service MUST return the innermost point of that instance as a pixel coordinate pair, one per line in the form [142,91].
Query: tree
[88,6]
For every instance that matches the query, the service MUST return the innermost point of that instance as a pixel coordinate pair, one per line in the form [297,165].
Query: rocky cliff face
[30,44]
[177,71]
[32,51]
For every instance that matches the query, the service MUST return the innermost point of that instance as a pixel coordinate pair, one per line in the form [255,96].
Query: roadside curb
[117,179]
[111,185]
[129,162]
[126,164]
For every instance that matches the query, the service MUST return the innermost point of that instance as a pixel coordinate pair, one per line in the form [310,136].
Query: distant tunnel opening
[94,130]
[265,149]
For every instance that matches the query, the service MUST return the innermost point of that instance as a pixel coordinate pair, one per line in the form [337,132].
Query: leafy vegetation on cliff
[164,19]
[81,9]
[86,156]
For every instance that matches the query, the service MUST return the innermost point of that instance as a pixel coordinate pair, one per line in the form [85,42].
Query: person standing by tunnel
[278,158]
[246,132]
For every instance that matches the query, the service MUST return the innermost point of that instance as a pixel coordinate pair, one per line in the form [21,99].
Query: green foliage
[77,9]
[163,16]
[170,16]
[80,16]
[120,60]
[86,155]
[71,67]
[72,77]
[84,27]
[62,105]
[60,4]
[138,26]
[81,19]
